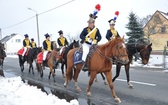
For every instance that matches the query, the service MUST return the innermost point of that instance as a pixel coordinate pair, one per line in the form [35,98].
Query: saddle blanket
[77,57]
[40,57]
[20,52]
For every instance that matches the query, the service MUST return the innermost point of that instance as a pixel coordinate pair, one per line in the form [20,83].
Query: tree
[74,37]
[135,34]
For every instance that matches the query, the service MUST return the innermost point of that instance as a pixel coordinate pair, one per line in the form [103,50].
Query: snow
[12,56]
[155,61]
[14,92]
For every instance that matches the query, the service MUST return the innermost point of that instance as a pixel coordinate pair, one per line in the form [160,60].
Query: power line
[38,14]
[18,23]
[56,7]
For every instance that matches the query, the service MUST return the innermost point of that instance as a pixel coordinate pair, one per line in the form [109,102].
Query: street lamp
[37,25]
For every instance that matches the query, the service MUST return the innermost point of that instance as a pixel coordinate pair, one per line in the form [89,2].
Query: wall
[12,46]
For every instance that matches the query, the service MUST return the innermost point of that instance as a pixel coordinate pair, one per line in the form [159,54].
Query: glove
[89,40]
[94,42]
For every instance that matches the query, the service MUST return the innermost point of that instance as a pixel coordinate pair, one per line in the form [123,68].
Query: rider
[26,44]
[62,41]
[33,44]
[111,33]
[90,35]
[46,47]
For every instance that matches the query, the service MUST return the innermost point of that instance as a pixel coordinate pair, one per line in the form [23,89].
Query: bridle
[116,57]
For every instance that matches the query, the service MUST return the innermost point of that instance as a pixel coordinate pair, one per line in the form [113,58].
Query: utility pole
[38,37]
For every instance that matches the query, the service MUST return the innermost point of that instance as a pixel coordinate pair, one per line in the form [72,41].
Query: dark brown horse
[100,62]
[2,54]
[132,49]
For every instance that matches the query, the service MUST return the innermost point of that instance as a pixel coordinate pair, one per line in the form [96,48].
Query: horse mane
[111,42]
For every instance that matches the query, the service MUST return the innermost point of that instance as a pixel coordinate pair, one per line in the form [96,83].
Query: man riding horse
[90,36]
[46,47]
[26,44]
[33,43]
[62,41]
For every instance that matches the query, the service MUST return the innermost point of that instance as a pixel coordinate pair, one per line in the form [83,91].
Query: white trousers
[45,55]
[25,49]
[61,50]
[86,48]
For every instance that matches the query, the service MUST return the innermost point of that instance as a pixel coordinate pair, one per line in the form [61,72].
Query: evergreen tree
[135,34]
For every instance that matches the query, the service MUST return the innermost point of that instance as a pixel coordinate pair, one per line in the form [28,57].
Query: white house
[12,43]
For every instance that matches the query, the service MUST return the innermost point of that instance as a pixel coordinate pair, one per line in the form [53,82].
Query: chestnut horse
[144,52]
[52,58]
[100,62]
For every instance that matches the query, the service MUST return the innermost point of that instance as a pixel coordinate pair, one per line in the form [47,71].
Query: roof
[164,14]
[6,38]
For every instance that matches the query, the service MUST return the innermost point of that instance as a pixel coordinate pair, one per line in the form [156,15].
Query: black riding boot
[43,65]
[84,67]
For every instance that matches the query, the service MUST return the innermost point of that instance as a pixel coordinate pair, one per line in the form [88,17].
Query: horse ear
[150,44]
[74,41]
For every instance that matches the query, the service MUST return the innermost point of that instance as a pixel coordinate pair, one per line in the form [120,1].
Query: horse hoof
[65,85]
[117,100]
[78,89]
[96,80]
[105,82]
[89,94]
[130,85]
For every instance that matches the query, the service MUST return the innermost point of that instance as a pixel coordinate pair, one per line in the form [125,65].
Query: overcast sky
[71,18]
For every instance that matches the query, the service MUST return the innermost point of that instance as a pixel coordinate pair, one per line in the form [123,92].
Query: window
[163,29]
[152,31]
[18,40]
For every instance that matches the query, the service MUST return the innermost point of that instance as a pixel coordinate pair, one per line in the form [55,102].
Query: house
[12,43]
[156,30]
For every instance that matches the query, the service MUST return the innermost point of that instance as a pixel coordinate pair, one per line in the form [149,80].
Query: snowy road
[150,87]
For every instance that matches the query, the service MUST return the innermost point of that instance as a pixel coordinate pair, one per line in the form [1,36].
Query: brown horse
[132,49]
[100,62]
[51,61]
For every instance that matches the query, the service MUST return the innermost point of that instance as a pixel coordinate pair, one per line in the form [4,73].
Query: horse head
[119,51]
[145,53]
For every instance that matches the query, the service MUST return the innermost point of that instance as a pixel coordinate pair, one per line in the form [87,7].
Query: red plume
[117,13]
[98,7]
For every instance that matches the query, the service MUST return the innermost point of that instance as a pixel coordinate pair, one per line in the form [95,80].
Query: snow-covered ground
[155,61]
[14,92]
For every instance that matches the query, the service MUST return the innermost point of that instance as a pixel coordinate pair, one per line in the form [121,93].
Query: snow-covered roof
[164,14]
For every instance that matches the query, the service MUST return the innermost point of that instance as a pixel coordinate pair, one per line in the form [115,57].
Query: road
[150,87]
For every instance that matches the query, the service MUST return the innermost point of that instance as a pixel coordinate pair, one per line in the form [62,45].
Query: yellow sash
[27,42]
[92,35]
[62,40]
[33,44]
[48,45]
[114,32]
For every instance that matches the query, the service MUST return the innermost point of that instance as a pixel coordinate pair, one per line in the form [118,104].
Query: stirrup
[84,67]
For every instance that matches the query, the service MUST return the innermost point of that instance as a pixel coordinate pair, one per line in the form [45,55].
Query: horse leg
[53,74]
[32,69]
[118,68]
[62,68]
[109,77]
[76,74]
[105,82]
[67,77]
[127,75]
[30,66]
[49,75]
[92,77]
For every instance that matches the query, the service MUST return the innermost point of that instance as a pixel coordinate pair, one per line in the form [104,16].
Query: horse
[132,49]
[2,54]
[30,55]
[74,44]
[99,62]
[51,62]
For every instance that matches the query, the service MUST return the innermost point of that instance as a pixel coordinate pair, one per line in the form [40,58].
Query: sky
[71,18]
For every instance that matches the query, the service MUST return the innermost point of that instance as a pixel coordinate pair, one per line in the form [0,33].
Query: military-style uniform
[62,41]
[89,37]
[26,44]
[111,32]
[33,44]
[46,46]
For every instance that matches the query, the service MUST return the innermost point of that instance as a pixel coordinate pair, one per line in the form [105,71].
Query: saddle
[40,57]
[79,53]
[20,52]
